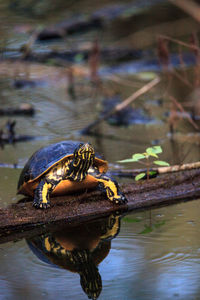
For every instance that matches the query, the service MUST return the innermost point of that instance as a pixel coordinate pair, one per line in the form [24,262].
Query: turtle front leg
[111,188]
[42,192]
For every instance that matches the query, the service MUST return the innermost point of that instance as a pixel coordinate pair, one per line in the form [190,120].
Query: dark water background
[142,265]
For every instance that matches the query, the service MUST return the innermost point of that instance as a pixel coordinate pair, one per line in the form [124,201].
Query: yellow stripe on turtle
[110,188]
[45,190]
[27,187]
[113,231]
[47,244]
[102,166]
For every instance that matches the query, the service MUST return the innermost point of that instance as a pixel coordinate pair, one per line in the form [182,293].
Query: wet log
[22,219]
[23,109]
[78,25]
[14,138]
[107,55]
[97,20]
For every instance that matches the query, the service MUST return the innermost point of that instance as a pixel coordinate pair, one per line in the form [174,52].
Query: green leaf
[131,220]
[157,149]
[161,163]
[147,229]
[154,149]
[51,62]
[159,224]
[147,75]
[140,176]
[153,174]
[79,57]
[138,156]
[151,152]
[128,160]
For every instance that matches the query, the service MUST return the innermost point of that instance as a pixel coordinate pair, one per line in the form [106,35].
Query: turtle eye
[91,149]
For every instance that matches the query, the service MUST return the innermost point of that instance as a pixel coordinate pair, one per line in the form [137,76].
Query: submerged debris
[125,117]
[23,83]
[23,109]
[9,136]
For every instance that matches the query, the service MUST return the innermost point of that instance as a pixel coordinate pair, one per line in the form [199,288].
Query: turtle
[79,250]
[66,167]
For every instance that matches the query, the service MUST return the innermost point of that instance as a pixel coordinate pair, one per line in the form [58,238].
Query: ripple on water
[173,257]
[21,270]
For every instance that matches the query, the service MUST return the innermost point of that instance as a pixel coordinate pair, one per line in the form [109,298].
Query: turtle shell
[45,158]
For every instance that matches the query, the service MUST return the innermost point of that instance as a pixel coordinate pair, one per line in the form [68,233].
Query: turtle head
[84,152]
[90,280]
[83,159]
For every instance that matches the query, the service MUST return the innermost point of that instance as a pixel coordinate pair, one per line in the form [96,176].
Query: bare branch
[190,7]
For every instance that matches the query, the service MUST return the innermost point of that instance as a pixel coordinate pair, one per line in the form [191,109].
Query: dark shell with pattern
[43,159]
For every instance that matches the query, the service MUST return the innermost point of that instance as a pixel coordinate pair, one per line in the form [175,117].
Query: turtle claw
[41,205]
[45,205]
[120,200]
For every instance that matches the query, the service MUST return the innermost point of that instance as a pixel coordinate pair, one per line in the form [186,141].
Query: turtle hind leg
[111,188]
[47,185]
[41,195]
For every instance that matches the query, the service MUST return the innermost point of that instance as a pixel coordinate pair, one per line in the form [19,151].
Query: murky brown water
[155,255]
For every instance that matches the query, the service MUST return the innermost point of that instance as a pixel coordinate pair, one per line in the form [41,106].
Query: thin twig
[123,81]
[180,107]
[137,94]
[190,7]
[182,79]
[122,105]
[179,42]
[159,170]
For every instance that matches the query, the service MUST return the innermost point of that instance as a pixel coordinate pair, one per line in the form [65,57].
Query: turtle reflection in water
[79,250]
[66,167]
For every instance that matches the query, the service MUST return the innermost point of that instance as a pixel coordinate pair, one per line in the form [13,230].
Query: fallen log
[97,20]
[10,136]
[23,109]
[69,27]
[107,55]
[7,139]
[22,220]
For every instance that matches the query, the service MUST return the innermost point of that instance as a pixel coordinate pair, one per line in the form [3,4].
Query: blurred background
[64,66]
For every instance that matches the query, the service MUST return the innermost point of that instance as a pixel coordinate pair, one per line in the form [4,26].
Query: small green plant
[150,152]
